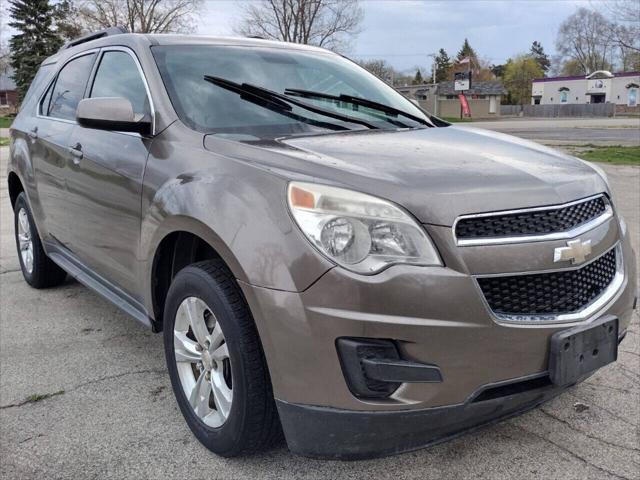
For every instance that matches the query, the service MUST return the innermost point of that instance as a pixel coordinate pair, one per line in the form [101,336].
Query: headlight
[359,232]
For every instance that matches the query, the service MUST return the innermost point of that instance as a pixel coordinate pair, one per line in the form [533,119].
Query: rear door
[50,135]
[105,176]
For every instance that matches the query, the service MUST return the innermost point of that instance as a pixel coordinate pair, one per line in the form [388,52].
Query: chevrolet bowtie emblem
[576,250]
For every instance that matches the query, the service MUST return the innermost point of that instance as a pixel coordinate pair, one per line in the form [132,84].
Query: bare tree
[626,32]
[587,37]
[325,23]
[380,68]
[142,16]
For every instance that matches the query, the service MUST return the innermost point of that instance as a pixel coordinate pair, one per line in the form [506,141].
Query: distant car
[327,260]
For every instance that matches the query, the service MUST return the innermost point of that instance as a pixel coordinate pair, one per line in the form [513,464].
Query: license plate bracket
[578,351]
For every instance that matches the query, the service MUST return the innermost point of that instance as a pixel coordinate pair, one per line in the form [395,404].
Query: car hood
[437,173]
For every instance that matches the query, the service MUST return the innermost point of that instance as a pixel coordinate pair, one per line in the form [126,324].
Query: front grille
[553,293]
[531,222]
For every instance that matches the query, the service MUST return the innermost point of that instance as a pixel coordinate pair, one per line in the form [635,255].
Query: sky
[405,32]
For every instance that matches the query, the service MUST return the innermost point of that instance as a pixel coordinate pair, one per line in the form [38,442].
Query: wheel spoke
[222,394]
[199,398]
[185,348]
[220,353]
[24,223]
[216,338]
[195,313]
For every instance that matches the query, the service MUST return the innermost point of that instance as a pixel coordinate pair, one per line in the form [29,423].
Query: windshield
[208,108]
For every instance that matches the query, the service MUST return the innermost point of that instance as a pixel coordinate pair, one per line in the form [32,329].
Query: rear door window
[69,88]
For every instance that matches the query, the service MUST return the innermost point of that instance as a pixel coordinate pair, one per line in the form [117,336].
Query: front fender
[240,211]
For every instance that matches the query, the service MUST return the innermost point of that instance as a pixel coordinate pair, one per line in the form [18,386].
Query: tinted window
[118,76]
[46,101]
[208,108]
[69,87]
[37,84]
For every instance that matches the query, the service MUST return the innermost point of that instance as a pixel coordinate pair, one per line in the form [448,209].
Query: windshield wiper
[276,101]
[381,107]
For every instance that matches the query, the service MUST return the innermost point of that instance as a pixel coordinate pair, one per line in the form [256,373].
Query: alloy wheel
[203,363]
[25,241]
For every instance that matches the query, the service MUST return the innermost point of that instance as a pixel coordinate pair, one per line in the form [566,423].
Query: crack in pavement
[9,271]
[84,384]
[572,454]
[602,386]
[586,434]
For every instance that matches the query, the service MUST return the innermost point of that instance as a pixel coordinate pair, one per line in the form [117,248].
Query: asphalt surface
[570,131]
[112,413]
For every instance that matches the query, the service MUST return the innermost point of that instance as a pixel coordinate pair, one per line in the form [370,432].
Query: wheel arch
[181,242]
[15,187]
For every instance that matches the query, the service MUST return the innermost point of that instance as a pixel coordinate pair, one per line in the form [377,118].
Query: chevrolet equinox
[328,262]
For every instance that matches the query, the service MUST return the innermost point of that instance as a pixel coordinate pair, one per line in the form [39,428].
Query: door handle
[76,153]
[33,133]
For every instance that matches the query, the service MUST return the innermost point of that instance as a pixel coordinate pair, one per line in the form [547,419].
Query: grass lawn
[4,141]
[5,122]
[616,155]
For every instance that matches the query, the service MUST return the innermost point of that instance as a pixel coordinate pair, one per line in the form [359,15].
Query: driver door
[105,177]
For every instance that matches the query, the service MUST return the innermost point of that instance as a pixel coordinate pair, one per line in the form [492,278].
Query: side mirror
[111,113]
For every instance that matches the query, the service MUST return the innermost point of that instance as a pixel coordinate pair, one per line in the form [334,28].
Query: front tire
[38,270]
[216,363]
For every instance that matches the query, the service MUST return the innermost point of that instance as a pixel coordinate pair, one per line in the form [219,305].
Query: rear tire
[205,312]
[38,270]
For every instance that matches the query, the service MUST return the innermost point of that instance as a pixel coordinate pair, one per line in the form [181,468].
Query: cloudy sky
[404,32]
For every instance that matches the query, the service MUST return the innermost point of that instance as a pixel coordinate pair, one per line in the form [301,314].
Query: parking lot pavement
[111,413]
[570,131]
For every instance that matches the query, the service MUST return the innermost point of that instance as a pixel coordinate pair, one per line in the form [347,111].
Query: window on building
[4,98]
[563,97]
[632,101]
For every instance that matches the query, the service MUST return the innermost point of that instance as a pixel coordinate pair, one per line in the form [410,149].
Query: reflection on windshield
[220,110]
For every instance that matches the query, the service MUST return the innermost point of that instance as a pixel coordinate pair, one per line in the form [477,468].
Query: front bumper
[322,432]
[436,316]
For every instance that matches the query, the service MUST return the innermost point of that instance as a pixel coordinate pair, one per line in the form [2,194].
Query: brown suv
[327,261]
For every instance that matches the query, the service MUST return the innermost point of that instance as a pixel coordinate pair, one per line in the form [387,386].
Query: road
[570,131]
[112,415]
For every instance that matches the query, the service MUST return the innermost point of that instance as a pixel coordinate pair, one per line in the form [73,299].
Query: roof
[177,39]
[144,40]
[581,77]
[477,88]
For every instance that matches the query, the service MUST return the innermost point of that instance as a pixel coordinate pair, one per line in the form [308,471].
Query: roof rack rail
[107,32]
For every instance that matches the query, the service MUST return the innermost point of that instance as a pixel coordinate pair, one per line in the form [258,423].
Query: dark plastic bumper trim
[401,371]
[329,433]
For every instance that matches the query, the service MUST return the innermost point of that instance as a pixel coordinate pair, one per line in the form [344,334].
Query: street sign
[462,81]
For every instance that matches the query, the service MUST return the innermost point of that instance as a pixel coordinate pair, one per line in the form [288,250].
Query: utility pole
[433,68]
[433,81]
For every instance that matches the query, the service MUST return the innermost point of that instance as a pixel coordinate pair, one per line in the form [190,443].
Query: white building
[622,88]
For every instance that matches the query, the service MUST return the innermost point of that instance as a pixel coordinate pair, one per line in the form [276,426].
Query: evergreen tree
[36,39]
[443,66]
[418,80]
[541,58]
[467,52]
[498,70]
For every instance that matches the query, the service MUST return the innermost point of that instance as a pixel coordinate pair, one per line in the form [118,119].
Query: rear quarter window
[37,84]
